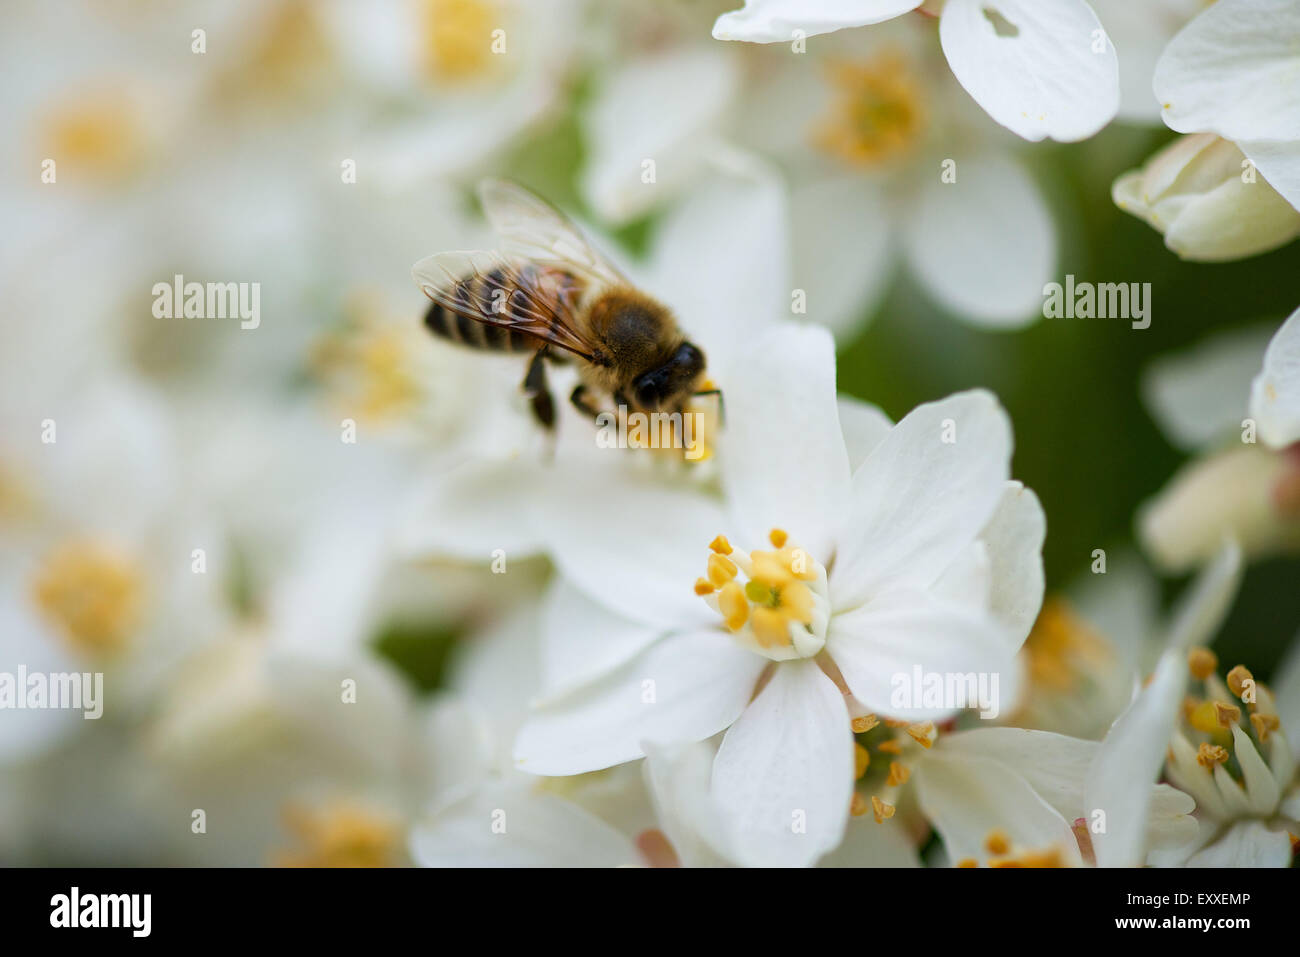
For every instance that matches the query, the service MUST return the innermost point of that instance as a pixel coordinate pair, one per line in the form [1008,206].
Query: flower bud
[1208,200]
[1232,493]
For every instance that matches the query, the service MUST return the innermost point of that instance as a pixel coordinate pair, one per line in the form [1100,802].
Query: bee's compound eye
[688,359]
[648,389]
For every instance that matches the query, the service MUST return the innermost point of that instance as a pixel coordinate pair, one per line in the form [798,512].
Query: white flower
[462,78]
[1041,69]
[1016,797]
[97,569]
[1131,756]
[903,550]
[1244,813]
[888,165]
[484,812]
[1246,481]
[890,168]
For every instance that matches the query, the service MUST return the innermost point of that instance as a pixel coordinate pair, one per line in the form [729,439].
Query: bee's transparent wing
[531,228]
[486,287]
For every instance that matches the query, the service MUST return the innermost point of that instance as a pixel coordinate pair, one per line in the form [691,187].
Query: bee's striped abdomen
[488,296]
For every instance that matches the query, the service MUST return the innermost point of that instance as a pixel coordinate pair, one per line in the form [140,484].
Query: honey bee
[548,293]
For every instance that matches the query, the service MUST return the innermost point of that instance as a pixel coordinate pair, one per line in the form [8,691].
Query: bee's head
[660,386]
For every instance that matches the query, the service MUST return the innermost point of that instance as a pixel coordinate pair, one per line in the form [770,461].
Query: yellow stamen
[881,810]
[1205,717]
[341,835]
[890,747]
[777,537]
[997,843]
[1264,724]
[94,595]
[923,733]
[721,570]
[100,134]
[734,607]
[459,38]
[1202,663]
[1048,858]
[703,586]
[968,862]
[861,760]
[720,545]
[1237,679]
[865,723]
[770,627]
[1227,714]
[771,570]
[898,774]
[1208,755]
[878,116]
[858,806]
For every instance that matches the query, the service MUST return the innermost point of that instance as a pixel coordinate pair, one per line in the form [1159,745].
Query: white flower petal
[775,21]
[1140,32]
[473,510]
[1279,162]
[720,257]
[1045,80]
[699,829]
[1056,767]
[583,640]
[1014,540]
[661,107]
[1247,844]
[685,687]
[514,825]
[994,278]
[1257,778]
[785,769]
[1200,610]
[631,543]
[1198,396]
[868,844]
[1233,70]
[1128,762]
[878,646]
[967,798]
[784,463]
[1275,391]
[918,501]
[842,236]
[864,427]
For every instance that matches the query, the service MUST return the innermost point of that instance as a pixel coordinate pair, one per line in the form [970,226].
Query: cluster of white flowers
[339,601]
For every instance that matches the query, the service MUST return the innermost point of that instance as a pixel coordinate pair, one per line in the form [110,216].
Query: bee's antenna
[722,409]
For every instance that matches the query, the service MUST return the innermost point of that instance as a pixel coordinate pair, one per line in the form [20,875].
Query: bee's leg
[582,402]
[538,392]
